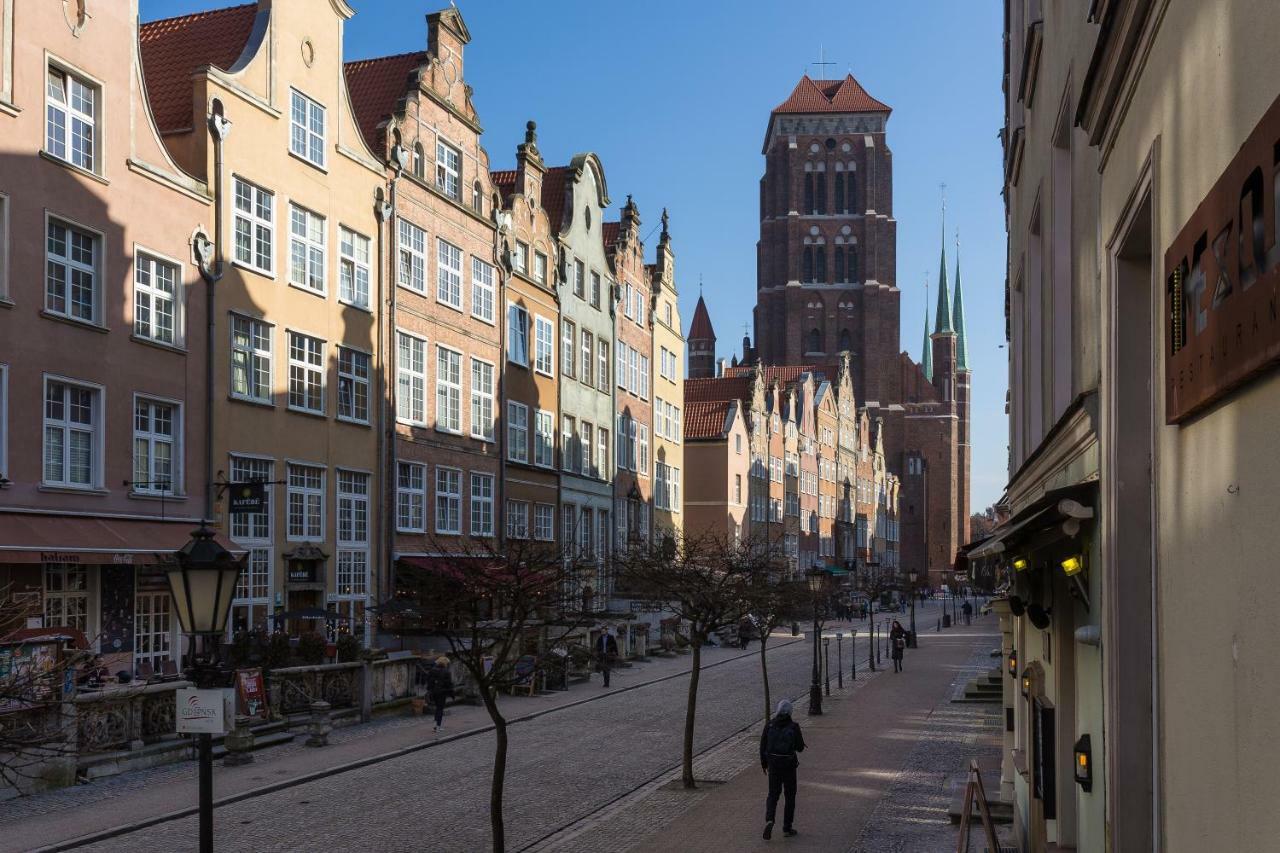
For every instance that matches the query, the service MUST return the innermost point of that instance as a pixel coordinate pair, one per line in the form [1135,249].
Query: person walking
[779,743]
[606,653]
[745,628]
[897,644]
[439,689]
[967,610]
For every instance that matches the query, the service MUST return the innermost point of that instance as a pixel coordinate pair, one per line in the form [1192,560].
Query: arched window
[853,264]
[820,271]
[821,192]
[815,341]
[808,192]
[419,162]
[839,276]
[844,340]
[806,272]
[841,207]
[477,198]
[852,179]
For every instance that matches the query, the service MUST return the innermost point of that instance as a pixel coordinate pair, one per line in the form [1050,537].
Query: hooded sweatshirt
[780,741]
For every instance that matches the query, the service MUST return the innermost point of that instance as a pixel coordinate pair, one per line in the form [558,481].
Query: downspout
[386,436]
[381,210]
[503,221]
[211,264]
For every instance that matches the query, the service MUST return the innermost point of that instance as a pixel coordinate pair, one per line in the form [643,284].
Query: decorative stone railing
[125,717]
[292,689]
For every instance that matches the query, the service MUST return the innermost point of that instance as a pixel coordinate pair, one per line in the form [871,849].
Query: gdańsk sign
[201,711]
[1222,276]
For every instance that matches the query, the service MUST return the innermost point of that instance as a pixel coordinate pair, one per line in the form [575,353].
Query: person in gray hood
[779,743]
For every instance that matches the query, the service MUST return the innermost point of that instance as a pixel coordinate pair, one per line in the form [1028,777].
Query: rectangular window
[544,439]
[306,373]
[71,119]
[579,280]
[353,508]
[517,519]
[306,503]
[4,246]
[413,257]
[352,575]
[602,454]
[152,631]
[540,268]
[568,346]
[481,400]
[411,378]
[448,390]
[660,485]
[544,346]
[252,526]
[448,274]
[71,272]
[448,500]
[640,303]
[481,504]
[155,302]
[66,596]
[481,290]
[544,522]
[587,446]
[623,462]
[642,453]
[588,358]
[411,497]
[4,420]
[306,249]
[620,369]
[72,434]
[520,257]
[254,225]
[448,170]
[595,290]
[569,443]
[517,335]
[644,377]
[517,431]
[353,385]
[602,366]
[306,128]
[586,530]
[627,303]
[157,452]
[353,271]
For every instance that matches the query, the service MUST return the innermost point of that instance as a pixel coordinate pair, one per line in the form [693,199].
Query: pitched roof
[173,48]
[553,184]
[610,233]
[787,373]
[717,388]
[700,328]
[830,96]
[705,420]
[376,87]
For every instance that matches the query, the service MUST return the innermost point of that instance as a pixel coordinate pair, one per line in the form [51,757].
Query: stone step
[976,700]
[1001,812]
[260,741]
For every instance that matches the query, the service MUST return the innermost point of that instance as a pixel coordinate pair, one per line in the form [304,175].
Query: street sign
[201,711]
[247,498]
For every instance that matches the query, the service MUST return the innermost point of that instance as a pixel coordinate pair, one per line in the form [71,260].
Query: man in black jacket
[779,743]
[606,653]
[439,688]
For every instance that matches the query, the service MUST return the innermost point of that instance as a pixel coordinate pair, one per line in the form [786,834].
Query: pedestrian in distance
[967,610]
[606,653]
[439,689]
[897,644]
[779,743]
[745,628]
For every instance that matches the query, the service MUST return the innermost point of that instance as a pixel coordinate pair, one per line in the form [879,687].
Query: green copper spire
[926,361]
[957,313]
[943,324]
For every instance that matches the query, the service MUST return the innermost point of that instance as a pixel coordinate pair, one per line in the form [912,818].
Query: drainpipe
[504,221]
[210,260]
[382,209]
[387,434]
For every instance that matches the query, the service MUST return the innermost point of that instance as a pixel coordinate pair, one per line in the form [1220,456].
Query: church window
[815,341]
[808,192]
[853,264]
[820,190]
[820,271]
[839,273]
[807,271]
[851,178]
[844,340]
[841,207]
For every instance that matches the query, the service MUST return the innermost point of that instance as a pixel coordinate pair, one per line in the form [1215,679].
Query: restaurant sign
[1222,280]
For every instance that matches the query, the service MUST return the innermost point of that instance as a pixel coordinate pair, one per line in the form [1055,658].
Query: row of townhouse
[789,458]
[234,265]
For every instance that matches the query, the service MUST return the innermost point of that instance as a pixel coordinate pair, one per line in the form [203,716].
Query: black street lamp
[913,575]
[203,585]
[817,581]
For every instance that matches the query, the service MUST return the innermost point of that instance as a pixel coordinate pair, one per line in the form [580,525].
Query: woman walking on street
[439,688]
[897,644]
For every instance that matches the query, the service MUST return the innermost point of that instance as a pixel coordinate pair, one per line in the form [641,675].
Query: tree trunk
[764,673]
[690,712]
[499,770]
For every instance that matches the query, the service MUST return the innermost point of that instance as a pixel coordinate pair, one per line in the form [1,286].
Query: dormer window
[419,162]
[306,128]
[477,198]
[71,119]
[448,170]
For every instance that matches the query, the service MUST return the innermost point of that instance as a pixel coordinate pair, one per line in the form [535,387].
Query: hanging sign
[246,498]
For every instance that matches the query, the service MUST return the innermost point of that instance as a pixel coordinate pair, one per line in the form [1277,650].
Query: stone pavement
[874,778]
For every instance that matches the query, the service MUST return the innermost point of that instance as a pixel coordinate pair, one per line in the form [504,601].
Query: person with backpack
[439,688]
[779,743]
[897,644]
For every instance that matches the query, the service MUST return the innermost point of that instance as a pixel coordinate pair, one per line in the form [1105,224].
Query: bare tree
[775,599]
[490,607]
[704,582]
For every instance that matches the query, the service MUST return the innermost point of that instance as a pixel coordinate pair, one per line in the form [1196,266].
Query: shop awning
[1045,512]
[39,538]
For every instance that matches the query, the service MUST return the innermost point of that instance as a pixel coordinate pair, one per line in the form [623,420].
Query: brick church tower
[702,343]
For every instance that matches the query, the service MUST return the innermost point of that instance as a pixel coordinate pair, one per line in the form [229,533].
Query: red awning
[37,538]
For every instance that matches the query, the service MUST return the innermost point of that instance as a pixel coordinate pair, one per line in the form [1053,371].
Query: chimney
[720,367]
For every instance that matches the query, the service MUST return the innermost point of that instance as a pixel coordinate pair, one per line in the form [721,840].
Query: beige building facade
[668,390]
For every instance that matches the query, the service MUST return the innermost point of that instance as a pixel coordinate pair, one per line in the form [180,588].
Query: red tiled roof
[173,48]
[787,373]
[705,420]
[553,183]
[700,328]
[717,388]
[504,181]
[611,233]
[376,87]
[830,96]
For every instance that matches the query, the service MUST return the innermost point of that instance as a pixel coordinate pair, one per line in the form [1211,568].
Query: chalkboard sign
[117,609]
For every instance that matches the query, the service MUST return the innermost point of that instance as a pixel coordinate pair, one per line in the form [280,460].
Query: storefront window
[66,596]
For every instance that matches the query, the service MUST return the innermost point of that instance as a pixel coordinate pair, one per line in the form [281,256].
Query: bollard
[853,654]
[239,744]
[839,661]
[826,655]
[871,646]
[939,626]
[877,644]
[320,725]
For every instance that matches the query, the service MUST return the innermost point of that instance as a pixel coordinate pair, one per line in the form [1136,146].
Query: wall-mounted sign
[1222,277]
[201,711]
[245,498]
[302,571]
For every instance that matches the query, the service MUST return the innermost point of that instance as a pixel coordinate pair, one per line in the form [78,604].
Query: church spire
[926,361]
[957,316]
[942,326]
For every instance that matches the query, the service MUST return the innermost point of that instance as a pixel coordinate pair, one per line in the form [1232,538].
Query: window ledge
[320,293]
[161,345]
[9,108]
[66,164]
[154,496]
[255,270]
[352,421]
[308,412]
[365,308]
[72,321]
[71,490]
[319,167]
[266,404]
[6,302]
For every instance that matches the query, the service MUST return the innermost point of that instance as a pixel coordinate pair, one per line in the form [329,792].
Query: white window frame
[354,270]
[96,430]
[602,447]
[406,495]
[312,243]
[307,139]
[253,469]
[544,334]
[517,431]
[579,279]
[257,227]
[482,524]
[150,263]
[449,176]
[4,244]
[352,506]
[603,349]
[255,358]
[95,269]
[520,314]
[79,591]
[448,494]
[4,420]
[482,411]
[544,439]
[351,378]
[448,274]
[412,379]
[587,371]
[71,115]
[306,372]
[520,257]
[540,264]
[544,522]
[568,347]
[411,271]
[311,502]
[482,290]
[642,452]
[448,390]
[151,438]
[517,519]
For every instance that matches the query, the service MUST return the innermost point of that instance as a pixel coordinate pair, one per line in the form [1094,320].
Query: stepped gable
[377,86]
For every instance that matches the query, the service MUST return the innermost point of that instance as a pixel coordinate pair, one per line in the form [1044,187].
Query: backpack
[782,740]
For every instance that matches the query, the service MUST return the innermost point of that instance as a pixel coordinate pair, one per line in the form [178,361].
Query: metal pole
[871,646]
[839,660]
[826,662]
[878,637]
[206,792]
[913,619]
[815,689]
[853,654]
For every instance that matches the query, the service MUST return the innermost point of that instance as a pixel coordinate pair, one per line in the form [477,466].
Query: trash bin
[946,620]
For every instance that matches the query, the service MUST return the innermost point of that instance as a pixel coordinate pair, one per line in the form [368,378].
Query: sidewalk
[867,780]
[52,818]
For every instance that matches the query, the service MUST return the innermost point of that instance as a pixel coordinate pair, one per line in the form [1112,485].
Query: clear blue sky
[674,98]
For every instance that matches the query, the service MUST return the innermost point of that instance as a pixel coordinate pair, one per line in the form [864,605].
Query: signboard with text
[251,694]
[201,711]
[247,498]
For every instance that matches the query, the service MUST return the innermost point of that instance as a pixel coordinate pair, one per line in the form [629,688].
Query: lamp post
[203,583]
[816,578]
[913,575]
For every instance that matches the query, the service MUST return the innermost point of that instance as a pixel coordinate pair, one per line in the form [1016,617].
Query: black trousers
[782,778]
[438,700]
